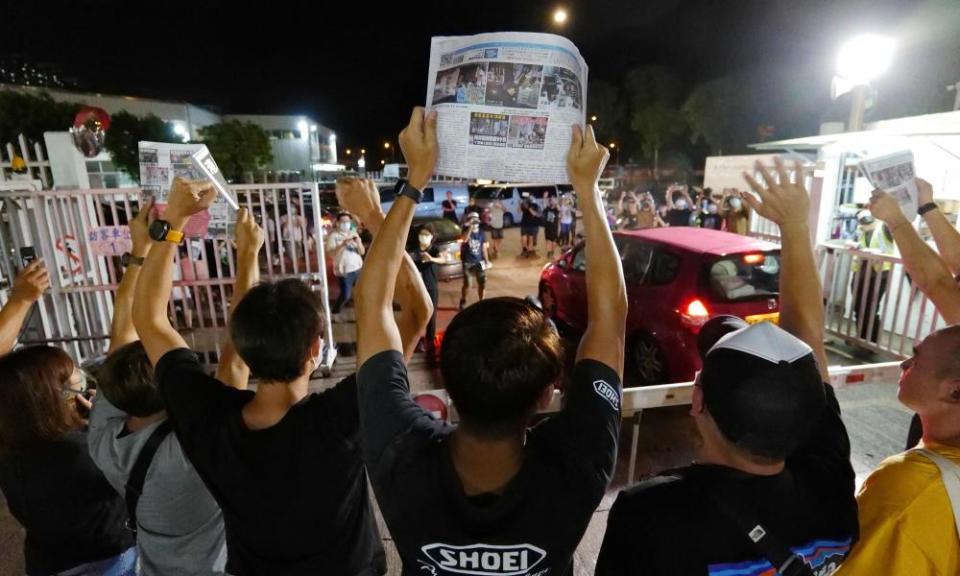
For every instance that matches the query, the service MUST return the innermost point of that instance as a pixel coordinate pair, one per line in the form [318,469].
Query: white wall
[67,164]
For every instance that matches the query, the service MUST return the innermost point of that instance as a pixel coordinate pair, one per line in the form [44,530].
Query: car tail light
[694,315]
[753,258]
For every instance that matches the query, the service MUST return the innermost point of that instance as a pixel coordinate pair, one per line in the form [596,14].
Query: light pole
[615,152]
[393,153]
[860,61]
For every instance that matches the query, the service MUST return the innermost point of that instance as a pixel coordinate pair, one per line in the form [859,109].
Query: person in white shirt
[566,222]
[347,251]
[496,226]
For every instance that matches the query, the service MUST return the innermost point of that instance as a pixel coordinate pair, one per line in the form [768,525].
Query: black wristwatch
[129,259]
[161,231]
[928,207]
[403,188]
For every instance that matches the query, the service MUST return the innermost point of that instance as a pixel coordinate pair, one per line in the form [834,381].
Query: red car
[677,279]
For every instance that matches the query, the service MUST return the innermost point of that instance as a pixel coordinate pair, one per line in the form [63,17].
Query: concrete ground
[876,422]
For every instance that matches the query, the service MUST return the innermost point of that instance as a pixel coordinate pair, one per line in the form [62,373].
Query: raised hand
[418,142]
[925,190]
[249,234]
[585,163]
[31,282]
[140,229]
[786,203]
[188,198]
[359,196]
[886,208]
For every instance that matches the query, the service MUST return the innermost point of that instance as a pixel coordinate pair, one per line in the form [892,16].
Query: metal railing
[63,226]
[871,302]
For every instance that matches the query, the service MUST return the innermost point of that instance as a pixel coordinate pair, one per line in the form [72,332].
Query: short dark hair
[32,407]
[126,379]
[274,326]
[344,215]
[498,357]
[428,227]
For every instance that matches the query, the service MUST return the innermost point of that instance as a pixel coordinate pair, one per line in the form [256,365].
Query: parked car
[512,195]
[447,238]
[677,279]
[431,205]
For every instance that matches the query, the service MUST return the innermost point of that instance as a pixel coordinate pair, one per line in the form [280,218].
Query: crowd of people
[166,469]
[639,211]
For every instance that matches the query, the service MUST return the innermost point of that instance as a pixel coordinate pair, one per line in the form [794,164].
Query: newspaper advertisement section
[160,163]
[895,174]
[507,103]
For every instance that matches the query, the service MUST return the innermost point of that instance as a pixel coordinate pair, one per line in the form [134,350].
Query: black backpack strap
[134,487]
[733,504]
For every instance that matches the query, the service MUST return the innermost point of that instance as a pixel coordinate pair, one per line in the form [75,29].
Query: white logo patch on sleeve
[607,392]
[485,559]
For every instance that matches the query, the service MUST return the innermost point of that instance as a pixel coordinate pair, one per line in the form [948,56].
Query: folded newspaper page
[161,162]
[895,174]
[507,102]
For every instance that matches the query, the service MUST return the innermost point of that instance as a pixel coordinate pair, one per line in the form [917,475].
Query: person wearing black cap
[772,489]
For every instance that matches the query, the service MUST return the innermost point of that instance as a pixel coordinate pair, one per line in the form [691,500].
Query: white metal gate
[76,314]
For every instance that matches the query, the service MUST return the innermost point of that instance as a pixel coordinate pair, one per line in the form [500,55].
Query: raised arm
[801,298]
[944,233]
[28,287]
[927,270]
[377,329]
[605,336]
[122,331]
[152,295]
[362,198]
[232,370]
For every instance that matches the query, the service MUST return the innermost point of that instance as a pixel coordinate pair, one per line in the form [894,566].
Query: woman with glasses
[75,522]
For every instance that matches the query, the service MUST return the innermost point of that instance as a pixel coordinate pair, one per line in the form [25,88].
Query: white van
[433,196]
[512,195]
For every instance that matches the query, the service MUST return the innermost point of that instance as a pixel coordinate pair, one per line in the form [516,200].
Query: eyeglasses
[68,390]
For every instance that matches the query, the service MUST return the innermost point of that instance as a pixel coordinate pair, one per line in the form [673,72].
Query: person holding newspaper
[491,493]
[772,487]
[283,464]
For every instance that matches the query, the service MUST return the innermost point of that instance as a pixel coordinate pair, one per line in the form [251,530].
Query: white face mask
[681,204]
[344,226]
[735,203]
[425,239]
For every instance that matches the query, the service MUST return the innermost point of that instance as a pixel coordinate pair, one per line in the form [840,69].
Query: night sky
[359,68]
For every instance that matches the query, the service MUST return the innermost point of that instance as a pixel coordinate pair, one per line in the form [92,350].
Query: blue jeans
[123,565]
[346,290]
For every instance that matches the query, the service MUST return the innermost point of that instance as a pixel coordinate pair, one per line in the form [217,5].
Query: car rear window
[743,277]
[645,263]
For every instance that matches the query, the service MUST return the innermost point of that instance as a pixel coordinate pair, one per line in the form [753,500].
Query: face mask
[735,203]
[681,204]
[345,227]
[712,209]
[425,239]
[475,227]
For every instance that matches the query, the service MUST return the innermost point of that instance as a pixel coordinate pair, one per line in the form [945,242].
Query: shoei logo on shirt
[485,559]
[608,393]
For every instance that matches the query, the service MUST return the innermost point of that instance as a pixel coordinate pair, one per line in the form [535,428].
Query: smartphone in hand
[28,254]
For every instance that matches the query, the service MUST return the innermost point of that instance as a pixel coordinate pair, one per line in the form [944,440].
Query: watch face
[125,259]
[159,229]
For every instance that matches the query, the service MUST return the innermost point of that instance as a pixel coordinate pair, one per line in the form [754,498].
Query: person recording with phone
[28,287]
[347,251]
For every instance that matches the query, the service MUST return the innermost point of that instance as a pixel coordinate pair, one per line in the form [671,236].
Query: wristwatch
[403,188]
[129,259]
[161,231]
[928,207]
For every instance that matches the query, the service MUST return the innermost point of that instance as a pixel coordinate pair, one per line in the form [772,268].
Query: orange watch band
[175,236]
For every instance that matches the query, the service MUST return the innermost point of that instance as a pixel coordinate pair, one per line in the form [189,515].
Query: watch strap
[928,207]
[405,189]
[175,236]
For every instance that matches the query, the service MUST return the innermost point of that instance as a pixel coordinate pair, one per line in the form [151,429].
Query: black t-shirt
[450,209]
[530,215]
[427,269]
[670,525]
[294,496]
[551,218]
[711,221]
[71,513]
[534,526]
[677,217]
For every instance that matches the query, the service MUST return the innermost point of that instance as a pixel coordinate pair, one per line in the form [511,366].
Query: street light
[386,145]
[593,118]
[615,151]
[348,151]
[860,61]
[363,151]
[560,16]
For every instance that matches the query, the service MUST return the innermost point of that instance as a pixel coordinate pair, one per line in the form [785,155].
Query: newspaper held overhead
[507,102]
[161,162]
[895,174]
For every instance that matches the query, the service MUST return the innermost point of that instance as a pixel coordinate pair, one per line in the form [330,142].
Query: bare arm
[152,295]
[801,298]
[28,287]
[928,271]
[605,336]
[416,308]
[944,233]
[122,331]
[232,370]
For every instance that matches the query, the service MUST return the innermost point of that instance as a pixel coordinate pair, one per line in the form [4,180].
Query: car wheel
[508,220]
[647,362]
